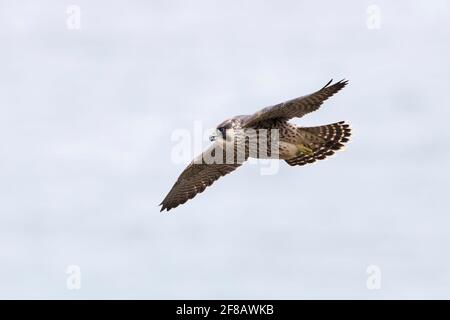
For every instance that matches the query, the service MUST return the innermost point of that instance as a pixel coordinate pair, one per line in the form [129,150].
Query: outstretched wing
[195,178]
[295,108]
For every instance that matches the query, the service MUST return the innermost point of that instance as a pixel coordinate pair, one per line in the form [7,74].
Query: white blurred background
[86,117]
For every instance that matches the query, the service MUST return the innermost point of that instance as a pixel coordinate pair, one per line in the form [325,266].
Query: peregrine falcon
[294,144]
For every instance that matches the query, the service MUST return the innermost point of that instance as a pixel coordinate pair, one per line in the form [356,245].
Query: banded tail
[321,142]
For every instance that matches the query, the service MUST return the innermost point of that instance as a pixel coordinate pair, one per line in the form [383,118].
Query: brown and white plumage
[295,108]
[196,177]
[297,145]
[331,138]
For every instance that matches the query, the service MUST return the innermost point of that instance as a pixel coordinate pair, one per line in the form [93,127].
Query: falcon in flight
[270,129]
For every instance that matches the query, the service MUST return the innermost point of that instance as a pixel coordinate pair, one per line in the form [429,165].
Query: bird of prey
[296,145]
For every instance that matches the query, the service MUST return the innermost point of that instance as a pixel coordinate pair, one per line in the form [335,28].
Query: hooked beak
[214,136]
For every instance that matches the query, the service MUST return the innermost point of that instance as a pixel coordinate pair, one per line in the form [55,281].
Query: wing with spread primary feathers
[194,179]
[295,108]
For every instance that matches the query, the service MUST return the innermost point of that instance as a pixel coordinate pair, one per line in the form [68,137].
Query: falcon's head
[226,131]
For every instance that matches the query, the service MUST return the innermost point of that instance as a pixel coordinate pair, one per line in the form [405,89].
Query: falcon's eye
[222,131]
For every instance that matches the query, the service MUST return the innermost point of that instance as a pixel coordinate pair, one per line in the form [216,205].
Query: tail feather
[324,141]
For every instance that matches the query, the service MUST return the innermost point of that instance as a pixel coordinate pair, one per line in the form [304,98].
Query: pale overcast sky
[86,118]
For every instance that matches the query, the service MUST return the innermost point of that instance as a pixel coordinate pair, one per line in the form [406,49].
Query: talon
[302,149]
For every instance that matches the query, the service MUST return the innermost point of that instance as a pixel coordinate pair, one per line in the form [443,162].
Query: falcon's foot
[304,150]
